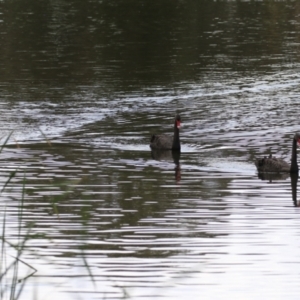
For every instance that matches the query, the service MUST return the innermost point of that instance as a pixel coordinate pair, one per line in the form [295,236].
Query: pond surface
[84,85]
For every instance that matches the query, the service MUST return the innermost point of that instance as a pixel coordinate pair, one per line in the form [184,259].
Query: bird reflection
[294,181]
[168,155]
[272,176]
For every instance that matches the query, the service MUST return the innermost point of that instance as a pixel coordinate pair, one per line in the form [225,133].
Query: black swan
[165,142]
[273,164]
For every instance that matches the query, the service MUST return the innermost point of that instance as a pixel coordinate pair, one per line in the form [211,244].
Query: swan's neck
[176,139]
[294,165]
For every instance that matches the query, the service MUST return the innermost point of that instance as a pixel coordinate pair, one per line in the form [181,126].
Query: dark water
[83,87]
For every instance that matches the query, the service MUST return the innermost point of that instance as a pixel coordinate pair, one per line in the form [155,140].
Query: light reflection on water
[147,229]
[149,224]
[143,230]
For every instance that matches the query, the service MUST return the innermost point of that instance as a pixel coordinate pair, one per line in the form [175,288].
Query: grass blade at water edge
[11,176]
[5,142]
[45,137]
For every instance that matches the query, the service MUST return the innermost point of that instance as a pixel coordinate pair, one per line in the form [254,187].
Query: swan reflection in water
[272,168]
[275,176]
[294,181]
[272,176]
[169,155]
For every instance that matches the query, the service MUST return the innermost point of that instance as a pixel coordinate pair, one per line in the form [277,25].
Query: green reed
[12,286]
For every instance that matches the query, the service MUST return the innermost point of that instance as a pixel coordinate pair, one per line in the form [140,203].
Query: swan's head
[297,137]
[178,121]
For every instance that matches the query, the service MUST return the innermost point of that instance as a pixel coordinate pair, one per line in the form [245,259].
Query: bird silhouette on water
[278,165]
[166,142]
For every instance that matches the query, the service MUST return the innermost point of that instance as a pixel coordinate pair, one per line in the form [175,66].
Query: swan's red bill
[178,124]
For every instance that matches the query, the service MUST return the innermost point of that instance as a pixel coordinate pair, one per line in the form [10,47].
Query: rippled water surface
[84,86]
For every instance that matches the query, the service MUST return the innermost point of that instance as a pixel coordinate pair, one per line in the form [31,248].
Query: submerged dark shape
[278,165]
[165,142]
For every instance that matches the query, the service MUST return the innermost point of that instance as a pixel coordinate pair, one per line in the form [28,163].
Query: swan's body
[165,142]
[278,165]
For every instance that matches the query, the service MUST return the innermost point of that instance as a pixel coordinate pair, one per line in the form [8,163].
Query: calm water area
[84,85]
